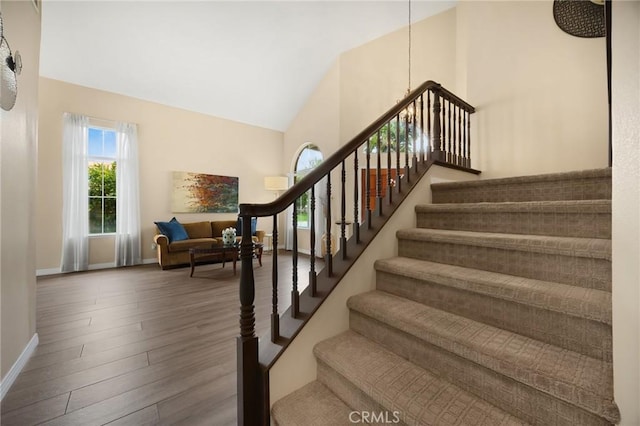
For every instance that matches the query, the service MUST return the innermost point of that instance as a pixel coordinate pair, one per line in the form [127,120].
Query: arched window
[309,157]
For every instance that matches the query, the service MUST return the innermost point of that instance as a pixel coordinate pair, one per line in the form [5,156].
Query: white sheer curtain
[128,245]
[320,215]
[75,190]
[288,223]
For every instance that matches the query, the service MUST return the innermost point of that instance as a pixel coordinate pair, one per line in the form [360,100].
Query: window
[98,164]
[102,180]
[309,158]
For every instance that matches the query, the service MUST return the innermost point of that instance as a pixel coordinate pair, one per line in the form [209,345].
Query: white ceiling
[254,62]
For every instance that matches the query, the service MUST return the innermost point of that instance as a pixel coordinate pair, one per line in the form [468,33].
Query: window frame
[104,160]
[299,174]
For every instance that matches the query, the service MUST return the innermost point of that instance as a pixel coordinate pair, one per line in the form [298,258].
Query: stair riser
[353,396]
[577,271]
[581,335]
[590,225]
[595,188]
[523,401]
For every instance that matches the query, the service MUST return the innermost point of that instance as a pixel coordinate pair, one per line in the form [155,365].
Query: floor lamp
[276,184]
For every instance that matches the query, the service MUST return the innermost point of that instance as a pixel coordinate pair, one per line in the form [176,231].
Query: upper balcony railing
[374,173]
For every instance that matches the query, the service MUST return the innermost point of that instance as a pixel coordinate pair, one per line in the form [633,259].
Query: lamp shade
[275,183]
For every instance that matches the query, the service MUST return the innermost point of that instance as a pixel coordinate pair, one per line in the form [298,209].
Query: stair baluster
[389,191]
[312,242]
[343,213]
[367,178]
[437,154]
[468,158]
[378,175]
[329,257]
[398,150]
[356,191]
[295,295]
[423,151]
[275,317]
[407,148]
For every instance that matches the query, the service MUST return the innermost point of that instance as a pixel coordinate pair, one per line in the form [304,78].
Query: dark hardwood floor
[139,346]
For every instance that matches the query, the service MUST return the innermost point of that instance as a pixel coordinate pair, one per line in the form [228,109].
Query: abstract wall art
[202,193]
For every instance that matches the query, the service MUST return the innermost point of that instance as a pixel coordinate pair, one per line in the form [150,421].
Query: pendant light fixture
[409,112]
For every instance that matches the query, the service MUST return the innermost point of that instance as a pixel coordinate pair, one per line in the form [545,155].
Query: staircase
[496,311]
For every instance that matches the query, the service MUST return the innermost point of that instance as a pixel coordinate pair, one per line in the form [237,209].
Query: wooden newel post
[437,154]
[249,402]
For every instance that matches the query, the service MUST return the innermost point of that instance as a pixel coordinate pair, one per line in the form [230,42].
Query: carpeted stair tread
[548,177]
[554,206]
[567,299]
[574,218]
[579,185]
[595,248]
[311,405]
[419,397]
[569,376]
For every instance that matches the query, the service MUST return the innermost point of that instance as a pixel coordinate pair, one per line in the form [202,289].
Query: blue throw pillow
[173,230]
[254,226]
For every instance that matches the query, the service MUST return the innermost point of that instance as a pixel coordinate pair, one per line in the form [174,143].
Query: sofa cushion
[185,245]
[198,229]
[254,226]
[173,229]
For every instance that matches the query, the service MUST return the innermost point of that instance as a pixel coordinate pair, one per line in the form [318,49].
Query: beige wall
[626,209]
[17,180]
[375,75]
[541,94]
[318,122]
[169,139]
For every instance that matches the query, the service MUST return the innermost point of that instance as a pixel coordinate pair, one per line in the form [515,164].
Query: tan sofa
[201,234]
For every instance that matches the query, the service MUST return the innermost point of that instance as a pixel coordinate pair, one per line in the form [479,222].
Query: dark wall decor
[580,18]
[10,67]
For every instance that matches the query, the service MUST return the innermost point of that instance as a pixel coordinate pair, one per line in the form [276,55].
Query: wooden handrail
[443,138]
[322,169]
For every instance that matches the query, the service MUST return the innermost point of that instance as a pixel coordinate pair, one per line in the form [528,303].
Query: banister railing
[430,125]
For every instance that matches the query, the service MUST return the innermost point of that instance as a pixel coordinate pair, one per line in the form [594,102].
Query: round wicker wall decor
[580,18]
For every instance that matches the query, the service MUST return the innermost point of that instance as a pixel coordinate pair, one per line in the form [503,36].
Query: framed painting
[203,193]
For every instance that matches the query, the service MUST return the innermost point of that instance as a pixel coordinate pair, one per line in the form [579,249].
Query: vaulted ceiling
[254,62]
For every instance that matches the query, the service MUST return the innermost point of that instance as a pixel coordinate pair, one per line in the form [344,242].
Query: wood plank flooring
[139,346]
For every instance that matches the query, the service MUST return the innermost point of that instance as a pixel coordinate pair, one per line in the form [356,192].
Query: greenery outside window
[393,135]
[308,158]
[102,180]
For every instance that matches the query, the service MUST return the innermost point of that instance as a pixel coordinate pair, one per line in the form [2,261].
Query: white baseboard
[49,271]
[16,368]
[107,265]
[95,266]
